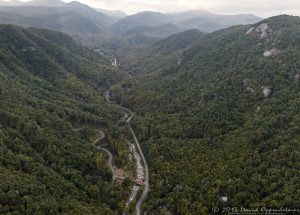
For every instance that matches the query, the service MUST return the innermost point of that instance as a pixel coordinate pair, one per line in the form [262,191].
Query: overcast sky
[263,8]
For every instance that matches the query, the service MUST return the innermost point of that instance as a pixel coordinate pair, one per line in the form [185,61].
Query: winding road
[128,115]
[110,156]
[128,118]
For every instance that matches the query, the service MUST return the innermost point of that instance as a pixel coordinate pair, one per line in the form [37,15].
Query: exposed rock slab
[251,30]
[272,52]
[266,91]
[263,30]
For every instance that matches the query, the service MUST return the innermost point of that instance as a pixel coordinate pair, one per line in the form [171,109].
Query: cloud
[258,7]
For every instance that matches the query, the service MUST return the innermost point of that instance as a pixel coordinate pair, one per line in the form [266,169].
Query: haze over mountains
[215,116]
[92,26]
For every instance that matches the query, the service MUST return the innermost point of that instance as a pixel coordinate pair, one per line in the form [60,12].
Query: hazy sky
[262,8]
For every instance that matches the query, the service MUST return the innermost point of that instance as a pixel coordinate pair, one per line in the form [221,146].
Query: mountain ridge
[49,85]
[227,113]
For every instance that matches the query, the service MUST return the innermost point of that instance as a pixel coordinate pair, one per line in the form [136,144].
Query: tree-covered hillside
[49,87]
[223,123]
[162,54]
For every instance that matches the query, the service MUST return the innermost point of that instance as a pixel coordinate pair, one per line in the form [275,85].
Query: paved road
[110,156]
[146,169]
[102,136]
[107,96]
[128,117]
[146,188]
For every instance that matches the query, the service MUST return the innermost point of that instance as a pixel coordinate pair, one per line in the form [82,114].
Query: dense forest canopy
[50,86]
[217,115]
[225,122]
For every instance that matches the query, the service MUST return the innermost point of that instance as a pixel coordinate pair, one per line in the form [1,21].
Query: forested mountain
[160,31]
[68,22]
[215,109]
[49,87]
[34,10]
[145,19]
[163,53]
[83,23]
[224,122]
[139,37]
[194,19]
[112,14]
[200,23]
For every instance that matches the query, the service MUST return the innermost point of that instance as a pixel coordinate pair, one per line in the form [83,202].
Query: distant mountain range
[93,26]
[195,19]
[163,30]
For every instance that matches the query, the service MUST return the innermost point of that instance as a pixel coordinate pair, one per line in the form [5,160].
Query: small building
[179,61]
[114,63]
[224,199]
[31,48]
[266,91]
[99,51]
[139,182]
